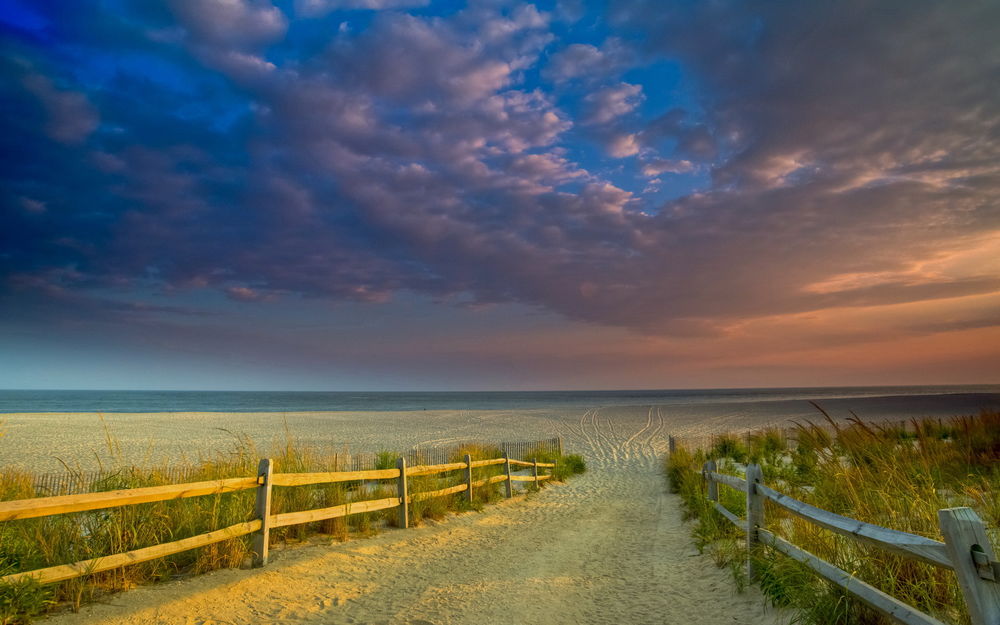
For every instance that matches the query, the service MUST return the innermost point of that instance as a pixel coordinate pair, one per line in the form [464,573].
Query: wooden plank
[965,537]
[261,540]
[319,514]
[304,479]
[543,477]
[96,565]
[735,520]
[547,465]
[520,463]
[402,493]
[713,486]
[489,480]
[522,478]
[508,487]
[755,514]
[46,506]
[487,463]
[902,543]
[468,476]
[438,493]
[886,604]
[430,469]
[730,480]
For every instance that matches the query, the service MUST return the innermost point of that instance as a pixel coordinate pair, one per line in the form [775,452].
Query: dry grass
[893,476]
[37,543]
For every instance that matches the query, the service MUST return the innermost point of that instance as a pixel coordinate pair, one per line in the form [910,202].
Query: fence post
[261,539]
[510,486]
[966,539]
[713,488]
[559,438]
[468,476]
[755,514]
[404,495]
[671,444]
[535,468]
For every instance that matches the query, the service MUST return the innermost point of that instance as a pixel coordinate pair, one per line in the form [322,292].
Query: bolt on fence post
[966,539]
[508,484]
[755,514]
[404,495]
[468,476]
[713,487]
[261,539]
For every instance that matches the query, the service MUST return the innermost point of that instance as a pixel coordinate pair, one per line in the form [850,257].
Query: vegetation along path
[608,547]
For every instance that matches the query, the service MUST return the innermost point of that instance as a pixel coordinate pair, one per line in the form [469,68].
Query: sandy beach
[48,442]
[44,441]
[607,547]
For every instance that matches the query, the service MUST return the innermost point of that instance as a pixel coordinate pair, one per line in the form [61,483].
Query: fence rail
[966,550]
[260,527]
[79,482]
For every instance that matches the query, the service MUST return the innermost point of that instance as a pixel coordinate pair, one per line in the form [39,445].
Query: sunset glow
[402,194]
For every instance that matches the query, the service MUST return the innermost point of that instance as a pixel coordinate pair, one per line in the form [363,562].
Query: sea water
[950,399]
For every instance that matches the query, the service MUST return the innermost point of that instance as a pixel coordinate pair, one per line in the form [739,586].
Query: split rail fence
[73,482]
[265,521]
[966,550]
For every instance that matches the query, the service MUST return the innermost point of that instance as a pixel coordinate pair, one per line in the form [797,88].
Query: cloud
[621,146]
[422,153]
[659,166]
[71,118]
[236,23]
[588,62]
[610,103]
[319,8]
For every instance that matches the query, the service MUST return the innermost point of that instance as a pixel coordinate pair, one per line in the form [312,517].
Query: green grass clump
[894,475]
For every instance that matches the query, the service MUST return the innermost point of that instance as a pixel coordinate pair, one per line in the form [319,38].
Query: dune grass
[886,474]
[61,539]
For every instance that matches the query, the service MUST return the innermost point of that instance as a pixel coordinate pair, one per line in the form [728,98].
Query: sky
[416,195]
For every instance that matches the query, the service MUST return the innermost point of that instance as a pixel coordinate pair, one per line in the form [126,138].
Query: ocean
[959,398]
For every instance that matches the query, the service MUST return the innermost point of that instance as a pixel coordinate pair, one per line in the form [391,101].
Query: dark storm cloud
[846,142]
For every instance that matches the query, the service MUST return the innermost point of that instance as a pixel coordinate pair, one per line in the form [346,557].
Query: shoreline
[57,441]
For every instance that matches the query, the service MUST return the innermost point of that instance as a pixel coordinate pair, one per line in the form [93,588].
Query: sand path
[607,547]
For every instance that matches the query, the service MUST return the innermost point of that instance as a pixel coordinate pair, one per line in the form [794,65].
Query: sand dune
[607,547]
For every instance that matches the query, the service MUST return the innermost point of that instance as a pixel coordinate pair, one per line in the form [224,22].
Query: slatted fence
[265,519]
[966,550]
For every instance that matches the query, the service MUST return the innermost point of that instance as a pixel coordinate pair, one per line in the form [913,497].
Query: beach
[51,442]
[609,546]
[606,547]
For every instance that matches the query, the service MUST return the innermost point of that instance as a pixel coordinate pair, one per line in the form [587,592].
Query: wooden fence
[259,527]
[966,550]
[74,482]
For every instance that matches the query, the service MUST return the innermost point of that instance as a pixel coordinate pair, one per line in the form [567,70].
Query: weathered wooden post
[535,469]
[713,488]
[755,514]
[559,439]
[972,556]
[671,444]
[404,495]
[468,476]
[508,483]
[261,540]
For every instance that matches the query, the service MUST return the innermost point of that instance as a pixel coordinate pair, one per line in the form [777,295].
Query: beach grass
[31,544]
[894,475]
